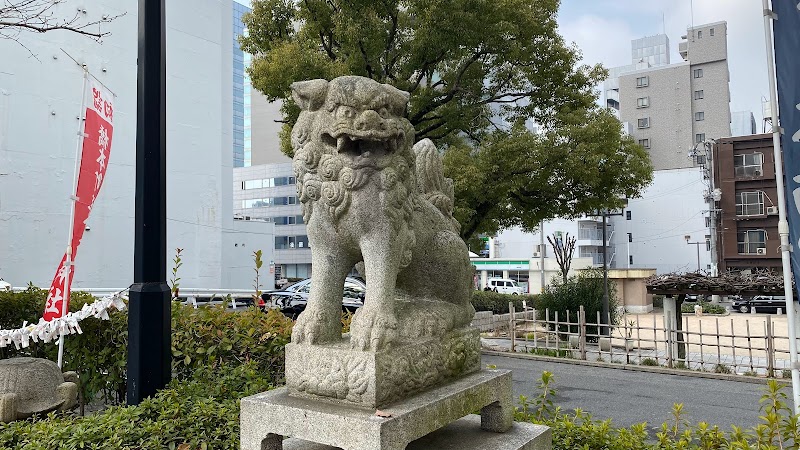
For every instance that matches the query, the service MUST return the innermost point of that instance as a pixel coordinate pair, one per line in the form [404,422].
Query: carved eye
[346,112]
[383,112]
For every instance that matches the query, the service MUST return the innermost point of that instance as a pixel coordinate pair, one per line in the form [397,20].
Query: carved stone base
[335,372]
[267,417]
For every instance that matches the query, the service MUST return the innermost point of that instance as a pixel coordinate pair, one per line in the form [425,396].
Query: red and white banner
[95,147]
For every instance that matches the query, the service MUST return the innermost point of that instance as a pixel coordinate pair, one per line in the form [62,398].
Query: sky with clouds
[603,30]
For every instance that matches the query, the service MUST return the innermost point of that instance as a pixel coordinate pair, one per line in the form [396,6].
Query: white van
[504,286]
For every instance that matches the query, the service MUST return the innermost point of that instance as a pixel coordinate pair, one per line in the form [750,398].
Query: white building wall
[671,208]
[37,150]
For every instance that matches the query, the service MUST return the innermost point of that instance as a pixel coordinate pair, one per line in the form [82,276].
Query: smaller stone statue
[31,386]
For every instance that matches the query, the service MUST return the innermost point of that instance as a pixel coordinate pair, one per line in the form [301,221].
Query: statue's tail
[431,183]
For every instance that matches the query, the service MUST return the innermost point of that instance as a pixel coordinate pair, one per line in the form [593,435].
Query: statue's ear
[309,95]
[399,99]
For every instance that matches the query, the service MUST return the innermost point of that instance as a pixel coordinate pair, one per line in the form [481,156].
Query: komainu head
[358,120]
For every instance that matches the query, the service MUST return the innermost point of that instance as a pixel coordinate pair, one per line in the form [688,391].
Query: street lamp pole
[149,354]
[606,331]
[605,314]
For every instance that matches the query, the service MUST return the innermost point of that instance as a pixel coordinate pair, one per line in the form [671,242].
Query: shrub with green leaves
[780,427]
[708,308]
[585,289]
[199,413]
[202,337]
[498,303]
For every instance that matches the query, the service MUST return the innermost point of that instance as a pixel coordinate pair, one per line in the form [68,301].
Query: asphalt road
[628,397]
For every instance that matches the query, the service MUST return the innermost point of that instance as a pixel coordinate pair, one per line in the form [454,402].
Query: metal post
[604,313]
[149,353]
[511,325]
[541,253]
[783,224]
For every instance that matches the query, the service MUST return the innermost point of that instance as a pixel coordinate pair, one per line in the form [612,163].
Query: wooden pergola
[758,283]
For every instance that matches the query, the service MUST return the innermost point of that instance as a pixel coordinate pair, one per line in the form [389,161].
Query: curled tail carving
[431,183]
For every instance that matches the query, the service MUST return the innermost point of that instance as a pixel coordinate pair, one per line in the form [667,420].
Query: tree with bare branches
[40,16]
[563,248]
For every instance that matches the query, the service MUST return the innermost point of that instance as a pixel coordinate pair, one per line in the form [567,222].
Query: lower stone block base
[267,417]
[464,434]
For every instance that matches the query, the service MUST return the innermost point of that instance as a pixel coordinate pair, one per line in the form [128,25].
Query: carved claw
[316,327]
[372,329]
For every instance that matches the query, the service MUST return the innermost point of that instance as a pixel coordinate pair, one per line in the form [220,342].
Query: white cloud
[613,49]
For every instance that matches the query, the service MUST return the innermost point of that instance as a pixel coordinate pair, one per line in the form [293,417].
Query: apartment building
[672,107]
[268,193]
[747,212]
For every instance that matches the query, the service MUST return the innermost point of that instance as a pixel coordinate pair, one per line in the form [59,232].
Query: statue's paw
[372,329]
[316,327]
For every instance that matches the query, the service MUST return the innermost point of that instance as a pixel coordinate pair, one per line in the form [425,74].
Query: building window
[268,182]
[627,215]
[630,237]
[700,34]
[699,137]
[752,242]
[698,73]
[268,202]
[643,102]
[711,32]
[708,222]
[699,115]
[748,165]
[644,122]
[698,95]
[750,203]
[644,143]
[642,81]
[630,259]
[291,242]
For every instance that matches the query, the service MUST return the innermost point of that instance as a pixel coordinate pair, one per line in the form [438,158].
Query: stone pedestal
[335,372]
[267,417]
[465,433]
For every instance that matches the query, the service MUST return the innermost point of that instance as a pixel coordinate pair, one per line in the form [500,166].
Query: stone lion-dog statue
[370,195]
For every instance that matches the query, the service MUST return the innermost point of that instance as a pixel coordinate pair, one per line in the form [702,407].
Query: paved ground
[629,397]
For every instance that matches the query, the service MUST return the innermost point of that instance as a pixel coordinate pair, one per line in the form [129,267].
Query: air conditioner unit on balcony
[536,255]
[772,210]
[757,173]
[761,251]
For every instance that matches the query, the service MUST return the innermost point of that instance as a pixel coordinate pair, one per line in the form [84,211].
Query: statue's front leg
[374,325]
[321,320]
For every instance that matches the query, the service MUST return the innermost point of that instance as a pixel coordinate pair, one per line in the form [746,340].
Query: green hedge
[201,338]
[498,303]
[199,413]
[708,308]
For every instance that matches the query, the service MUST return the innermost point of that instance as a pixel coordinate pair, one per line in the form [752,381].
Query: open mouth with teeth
[366,146]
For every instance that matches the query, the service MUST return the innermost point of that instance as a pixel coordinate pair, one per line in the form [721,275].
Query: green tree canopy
[476,70]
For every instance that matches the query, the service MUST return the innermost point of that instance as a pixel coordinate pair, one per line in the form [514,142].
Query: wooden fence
[721,344]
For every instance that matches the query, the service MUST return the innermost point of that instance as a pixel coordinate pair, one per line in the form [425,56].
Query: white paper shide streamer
[62,326]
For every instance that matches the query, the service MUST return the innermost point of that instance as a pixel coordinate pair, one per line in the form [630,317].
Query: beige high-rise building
[669,108]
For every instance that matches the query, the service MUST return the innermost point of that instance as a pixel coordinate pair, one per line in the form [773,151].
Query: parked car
[293,299]
[504,286]
[761,303]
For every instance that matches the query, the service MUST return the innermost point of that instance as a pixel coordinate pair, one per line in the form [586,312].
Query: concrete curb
[638,368]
